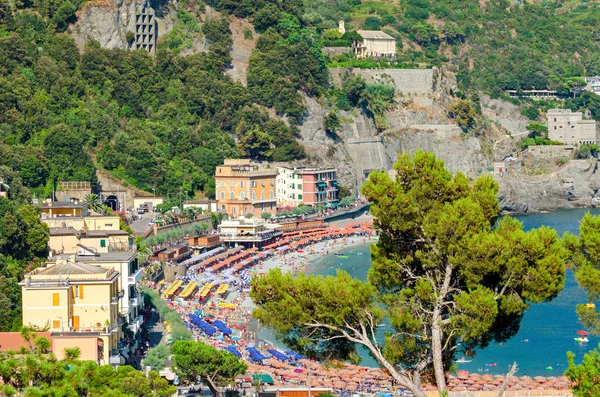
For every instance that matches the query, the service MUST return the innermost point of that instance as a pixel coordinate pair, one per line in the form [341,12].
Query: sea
[547,330]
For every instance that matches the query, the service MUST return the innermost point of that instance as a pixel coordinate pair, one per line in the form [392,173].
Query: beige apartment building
[244,187]
[126,265]
[570,128]
[375,43]
[72,298]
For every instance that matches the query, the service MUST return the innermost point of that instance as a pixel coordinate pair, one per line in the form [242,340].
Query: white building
[593,84]
[204,205]
[288,187]
[375,43]
[570,128]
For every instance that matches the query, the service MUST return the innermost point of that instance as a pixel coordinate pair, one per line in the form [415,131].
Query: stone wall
[406,81]
[551,151]
[173,271]
[158,230]
[336,50]
[108,186]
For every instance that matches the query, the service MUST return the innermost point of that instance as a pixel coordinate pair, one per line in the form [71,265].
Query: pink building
[319,186]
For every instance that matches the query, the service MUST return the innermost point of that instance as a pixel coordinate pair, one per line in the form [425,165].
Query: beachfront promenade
[213,301]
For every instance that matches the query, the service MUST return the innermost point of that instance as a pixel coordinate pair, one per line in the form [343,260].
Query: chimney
[341,27]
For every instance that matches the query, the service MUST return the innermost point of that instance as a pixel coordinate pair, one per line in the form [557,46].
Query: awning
[335,183]
[322,184]
[263,378]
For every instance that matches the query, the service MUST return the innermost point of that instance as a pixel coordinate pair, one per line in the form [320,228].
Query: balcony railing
[135,277]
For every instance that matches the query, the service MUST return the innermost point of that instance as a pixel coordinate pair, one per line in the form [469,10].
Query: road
[139,226]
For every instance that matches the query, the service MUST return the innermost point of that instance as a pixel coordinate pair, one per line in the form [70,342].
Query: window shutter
[55,323]
[56,299]
[81,292]
[73,294]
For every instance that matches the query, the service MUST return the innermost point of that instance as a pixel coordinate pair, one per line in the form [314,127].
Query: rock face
[574,185]
[108,22]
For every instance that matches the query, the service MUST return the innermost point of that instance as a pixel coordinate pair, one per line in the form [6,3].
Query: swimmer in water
[526,341]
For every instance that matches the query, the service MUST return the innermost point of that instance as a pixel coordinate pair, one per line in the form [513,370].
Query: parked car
[140,210]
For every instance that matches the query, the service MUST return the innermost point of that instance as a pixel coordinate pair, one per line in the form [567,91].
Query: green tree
[584,377]
[193,360]
[584,262]
[265,215]
[156,357]
[537,129]
[93,200]
[443,271]
[332,124]
[463,112]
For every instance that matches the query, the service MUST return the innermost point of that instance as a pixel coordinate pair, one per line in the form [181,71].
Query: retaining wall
[406,81]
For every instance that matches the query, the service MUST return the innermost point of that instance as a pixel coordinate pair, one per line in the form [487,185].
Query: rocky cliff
[419,119]
[108,21]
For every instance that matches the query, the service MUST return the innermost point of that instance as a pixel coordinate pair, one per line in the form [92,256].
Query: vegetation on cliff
[162,123]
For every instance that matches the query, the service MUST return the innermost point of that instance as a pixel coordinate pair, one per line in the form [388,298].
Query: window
[222,196]
[262,183]
[262,195]
[242,196]
[272,194]
[253,183]
[253,195]
[102,243]
[235,210]
[108,226]
[299,197]
[56,299]
[231,184]
[246,210]
[232,196]
[222,183]
[242,184]
[299,186]
[293,185]
[56,324]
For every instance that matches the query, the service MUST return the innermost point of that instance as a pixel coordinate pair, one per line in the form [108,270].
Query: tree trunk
[436,350]
[507,380]
[213,388]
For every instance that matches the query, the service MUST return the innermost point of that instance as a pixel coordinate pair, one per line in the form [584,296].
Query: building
[288,187]
[146,30]
[304,185]
[204,205]
[244,187]
[64,209]
[148,201]
[89,222]
[67,240]
[249,232]
[126,264]
[319,186]
[570,128]
[375,43]
[99,232]
[593,84]
[75,298]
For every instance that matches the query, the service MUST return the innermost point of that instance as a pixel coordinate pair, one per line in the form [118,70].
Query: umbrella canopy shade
[278,355]
[583,333]
[295,355]
[221,326]
[200,257]
[264,378]
[233,350]
[255,354]
[222,288]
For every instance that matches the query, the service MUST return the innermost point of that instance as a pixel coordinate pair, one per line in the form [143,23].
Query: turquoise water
[549,327]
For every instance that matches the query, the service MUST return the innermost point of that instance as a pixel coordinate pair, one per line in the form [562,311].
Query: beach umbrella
[582,333]
[298,370]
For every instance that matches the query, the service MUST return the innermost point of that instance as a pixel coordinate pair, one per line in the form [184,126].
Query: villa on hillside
[375,43]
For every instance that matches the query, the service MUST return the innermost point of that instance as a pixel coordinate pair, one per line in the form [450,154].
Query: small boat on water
[549,368]
[343,256]
[462,360]
[582,339]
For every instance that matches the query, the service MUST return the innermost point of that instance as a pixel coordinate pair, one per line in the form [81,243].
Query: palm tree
[94,202]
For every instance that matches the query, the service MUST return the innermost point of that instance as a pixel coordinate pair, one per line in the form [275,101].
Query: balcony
[109,329]
[136,324]
[135,277]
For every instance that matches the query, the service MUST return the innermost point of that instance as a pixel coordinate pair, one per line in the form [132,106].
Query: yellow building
[73,298]
[61,209]
[88,222]
[243,187]
[68,240]
[126,264]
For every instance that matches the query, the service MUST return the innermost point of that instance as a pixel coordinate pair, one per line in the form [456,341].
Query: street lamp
[154,202]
